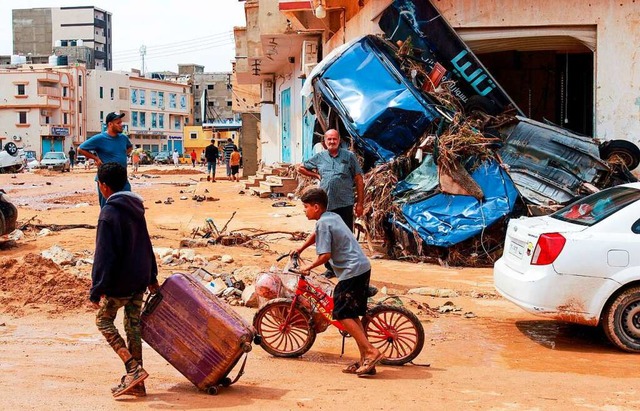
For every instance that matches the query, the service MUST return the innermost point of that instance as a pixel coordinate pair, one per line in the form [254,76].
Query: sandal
[369,364]
[352,368]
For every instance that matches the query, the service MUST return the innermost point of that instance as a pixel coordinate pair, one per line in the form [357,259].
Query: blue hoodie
[124,263]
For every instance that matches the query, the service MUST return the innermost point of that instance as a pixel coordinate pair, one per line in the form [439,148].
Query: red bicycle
[287,327]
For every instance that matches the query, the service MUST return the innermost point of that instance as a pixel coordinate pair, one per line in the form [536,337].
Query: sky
[173,32]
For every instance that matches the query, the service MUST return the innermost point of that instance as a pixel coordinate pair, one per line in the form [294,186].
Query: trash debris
[44,232]
[433,292]
[282,204]
[227,259]
[16,235]
[59,255]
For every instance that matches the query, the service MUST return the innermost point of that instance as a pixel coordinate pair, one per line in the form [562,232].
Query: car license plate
[516,249]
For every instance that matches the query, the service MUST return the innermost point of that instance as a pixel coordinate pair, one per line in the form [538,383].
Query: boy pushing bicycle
[336,244]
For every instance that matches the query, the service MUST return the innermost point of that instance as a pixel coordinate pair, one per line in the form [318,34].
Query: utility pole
[143,51]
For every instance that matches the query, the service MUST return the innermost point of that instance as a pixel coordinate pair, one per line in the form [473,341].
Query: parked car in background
[8,214]
[56,160]
[80,159]
[163,157]
[11,158]
[580,264]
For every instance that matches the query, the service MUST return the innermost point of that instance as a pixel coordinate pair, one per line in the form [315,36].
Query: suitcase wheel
[213,390]
[246,347]
[225,382]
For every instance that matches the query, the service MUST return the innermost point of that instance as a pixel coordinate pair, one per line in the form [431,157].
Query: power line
[173,53]
[183,43]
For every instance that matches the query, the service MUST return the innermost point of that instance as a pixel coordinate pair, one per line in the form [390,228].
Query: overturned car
[427,117]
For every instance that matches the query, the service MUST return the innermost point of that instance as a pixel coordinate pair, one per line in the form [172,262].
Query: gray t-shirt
[337,176]
[333,236]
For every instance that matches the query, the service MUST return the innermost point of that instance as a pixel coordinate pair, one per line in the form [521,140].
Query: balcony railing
[48,91]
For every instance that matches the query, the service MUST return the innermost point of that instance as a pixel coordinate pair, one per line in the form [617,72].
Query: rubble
[59,255]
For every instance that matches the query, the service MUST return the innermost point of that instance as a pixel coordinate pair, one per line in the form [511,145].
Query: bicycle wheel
[283,338]
[395,331]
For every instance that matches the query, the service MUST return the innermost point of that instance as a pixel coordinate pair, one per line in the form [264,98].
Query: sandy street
[487,354]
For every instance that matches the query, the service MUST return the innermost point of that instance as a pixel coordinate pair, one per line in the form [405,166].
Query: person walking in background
[135,159]
[228,149]
[194,158]
[338,171]
[234,162]
[211,154]
[72,157]
[176,157]
[109,147]
[124,266]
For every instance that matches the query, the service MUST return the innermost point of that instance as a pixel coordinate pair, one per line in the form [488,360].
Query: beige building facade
[44,108]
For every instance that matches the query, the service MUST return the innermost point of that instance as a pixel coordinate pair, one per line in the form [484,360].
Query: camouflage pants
[109,307]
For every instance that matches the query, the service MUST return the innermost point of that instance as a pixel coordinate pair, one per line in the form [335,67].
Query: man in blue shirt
[109,147]
[338,171]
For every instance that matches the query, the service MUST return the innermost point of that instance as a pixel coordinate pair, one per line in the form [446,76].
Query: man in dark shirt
[211,154]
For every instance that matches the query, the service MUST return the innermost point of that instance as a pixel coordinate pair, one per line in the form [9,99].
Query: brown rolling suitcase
[200,335]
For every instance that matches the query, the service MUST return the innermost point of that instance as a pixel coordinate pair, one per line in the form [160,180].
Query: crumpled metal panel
[444,219]
[379,107]
[549,165]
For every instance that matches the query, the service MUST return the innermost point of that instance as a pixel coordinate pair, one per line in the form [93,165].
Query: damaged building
[473,124]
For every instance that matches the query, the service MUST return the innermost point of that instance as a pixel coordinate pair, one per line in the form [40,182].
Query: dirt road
[494,357]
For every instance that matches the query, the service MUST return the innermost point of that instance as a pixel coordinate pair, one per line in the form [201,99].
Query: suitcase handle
[151,303]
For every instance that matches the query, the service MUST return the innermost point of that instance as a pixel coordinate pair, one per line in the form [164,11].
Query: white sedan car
[580,264]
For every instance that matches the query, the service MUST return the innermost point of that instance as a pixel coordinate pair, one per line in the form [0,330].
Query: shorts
[350,297]
[234,170]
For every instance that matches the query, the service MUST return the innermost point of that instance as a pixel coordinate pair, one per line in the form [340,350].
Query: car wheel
[627,151]
[11,148]
[621,320]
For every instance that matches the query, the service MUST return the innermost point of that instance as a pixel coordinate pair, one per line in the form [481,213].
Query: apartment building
[82,33]
[212,94]
[156,111]
[44,108]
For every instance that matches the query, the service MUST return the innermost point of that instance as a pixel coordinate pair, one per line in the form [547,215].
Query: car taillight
[548,248]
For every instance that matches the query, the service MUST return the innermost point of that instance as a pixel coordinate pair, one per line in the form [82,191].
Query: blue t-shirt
[108,148]
[333,236]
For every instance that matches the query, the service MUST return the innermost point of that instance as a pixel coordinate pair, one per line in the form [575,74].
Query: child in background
[234,162]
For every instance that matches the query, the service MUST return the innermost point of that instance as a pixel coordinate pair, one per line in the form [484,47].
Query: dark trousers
[346,213]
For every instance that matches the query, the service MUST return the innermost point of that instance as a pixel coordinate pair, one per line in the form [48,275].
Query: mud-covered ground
[486,354]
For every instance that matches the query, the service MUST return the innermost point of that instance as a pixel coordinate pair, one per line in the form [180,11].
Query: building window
[65,118]
[161,121]
[154,120]
[79,80]
[183,102]
[209,86]
[101,115]
[229,103]
[229,86]
[134,96]
[123,93]
[176,123]
[22,117]
[134,119]
[65,91]
[142,97]
[80,107]
[47,120]
[143,119]
[161,99]
[154,98]
[112,94]
[172,100]
[21,90]
[101,92]
[193,136]
[210,103]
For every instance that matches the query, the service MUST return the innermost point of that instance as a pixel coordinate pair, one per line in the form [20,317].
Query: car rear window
[596,207]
